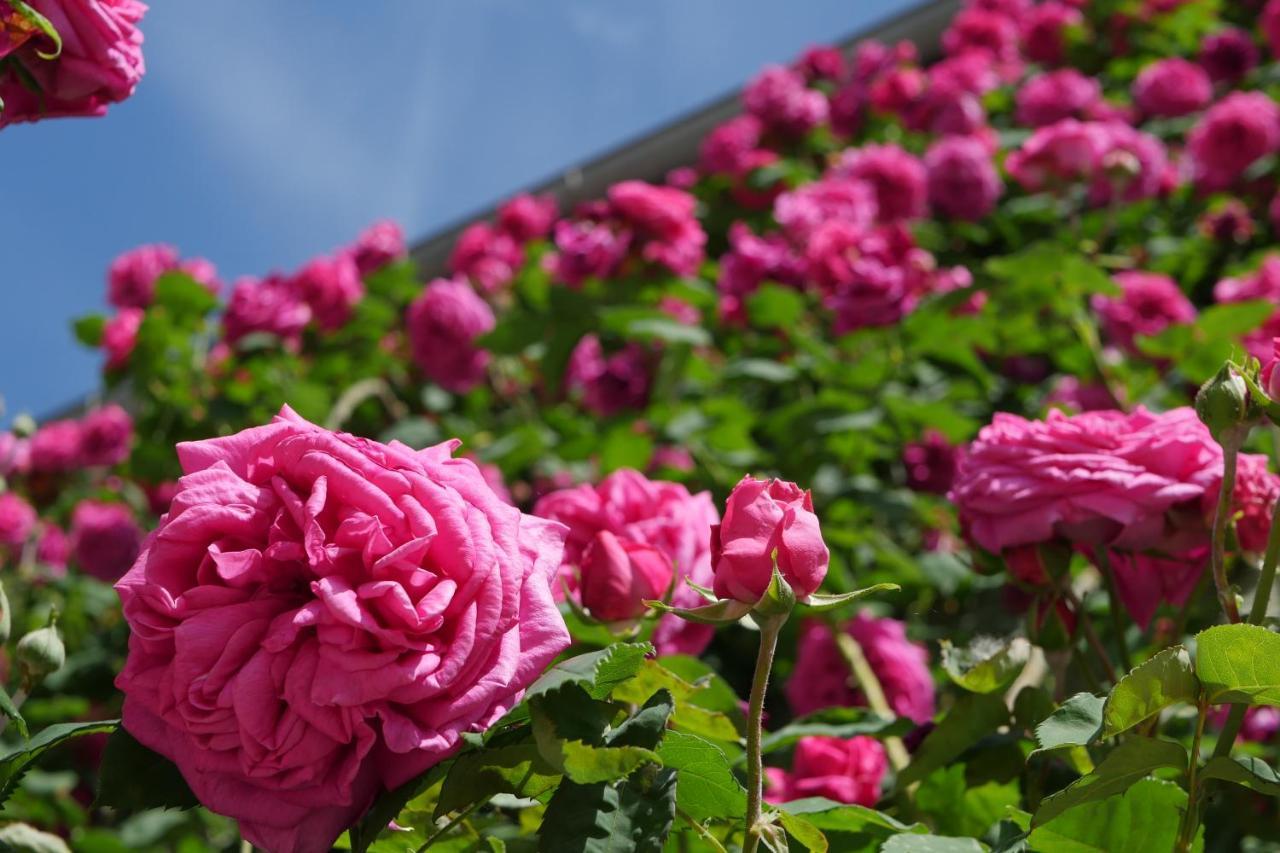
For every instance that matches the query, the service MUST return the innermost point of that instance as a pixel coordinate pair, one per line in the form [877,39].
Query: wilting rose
[1133,481]
[665,515]
[620,575]
[444,322]
[847,771]
[767,522]
[821,678]
[373,602]
[105,538]
[17,519]
[100,63]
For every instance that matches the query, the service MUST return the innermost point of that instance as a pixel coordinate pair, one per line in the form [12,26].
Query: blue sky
[265,132]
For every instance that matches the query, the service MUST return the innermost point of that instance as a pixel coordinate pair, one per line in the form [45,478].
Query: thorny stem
[1221,517]
[870,686]
[1113,604]
[769,628]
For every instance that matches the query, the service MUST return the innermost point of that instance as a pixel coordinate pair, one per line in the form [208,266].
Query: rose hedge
[965,306]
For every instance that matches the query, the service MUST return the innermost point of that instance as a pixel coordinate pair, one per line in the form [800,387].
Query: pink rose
[17,519]
[767,522]
[1252,502]
[331,287]
[821,678]
[779,97]
[1235,132]
[897,177]
[105,436]
[527,217]
[1264,284]
[664,220]
[847,771]
[55,447]
[587,248]
[821,62]
[271,305]
[750,261]
[374,601]
[620,575]
[961,179]
[100,64]
[104,538]
[869,277]
[800,211]
[1172,87]
[444,322]
[378,245]
[53,548]
[976,30]
[1147,305]
[1131,165]
[725,150]
[1069,393]
[120,336]
[1044,31]
[612,383]
[1228,55]
[1130,481]
[489,257]
[1260,723]
[131,278]
[665,515]
[1055,95]
[931,463]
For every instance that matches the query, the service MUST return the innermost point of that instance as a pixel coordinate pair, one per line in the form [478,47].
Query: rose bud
[1223,404]
[619,575]
[766,520]
[40,653]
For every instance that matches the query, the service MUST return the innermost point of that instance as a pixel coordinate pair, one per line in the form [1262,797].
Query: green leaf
[705,786]
[183,295]
[913,843]
[697,710]
[586,764]
[624,447]
[724,612]
[1146,817]
[831,816]
[1244,770]
[88,330]
[632,815]
[41,23]
[973,717]
[836,722]
[391,803]
[763,369]
[818,603]
[1239,664]
[1152,686]
[11,712]
[1134,759]
[775,307]
[16,760]
[1077,723]
[646,727]
[476,776]
[986,664]
[133,778]
[667,330]
[596,672]
[958,808]
[804,831]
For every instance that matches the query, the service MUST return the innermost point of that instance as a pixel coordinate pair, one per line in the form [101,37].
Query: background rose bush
[879,282]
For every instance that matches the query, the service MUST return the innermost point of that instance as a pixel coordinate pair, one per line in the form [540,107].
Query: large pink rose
[767,523]
[821,678]
[100,64]
[320,616]
[1132,481]
[631,506]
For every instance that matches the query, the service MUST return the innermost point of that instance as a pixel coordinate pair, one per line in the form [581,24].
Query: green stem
[448,827]
[1114,605]
[1257,615]
[1091,635]
[769,628]
[1221,517]
[702,831]
[871,688]
[1191,817]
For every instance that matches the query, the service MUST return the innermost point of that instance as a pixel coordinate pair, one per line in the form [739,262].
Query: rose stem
[769,628]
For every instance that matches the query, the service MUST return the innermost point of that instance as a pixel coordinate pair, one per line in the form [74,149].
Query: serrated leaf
[1239,664]
[1134,759]
[474,777]
[818,603]
[646,727]
[632,815]
[1163,680]
[1244,770]
[689,714]
[595,672]
[836,722]
[1078,722]
[133,778]
[985,665]
[17,760]
[705,786]
[973,717]
[1146,817]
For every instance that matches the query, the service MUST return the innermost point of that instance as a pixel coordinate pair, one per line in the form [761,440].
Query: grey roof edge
[652,155]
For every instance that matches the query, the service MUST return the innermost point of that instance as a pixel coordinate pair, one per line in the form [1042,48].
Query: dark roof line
[675,144]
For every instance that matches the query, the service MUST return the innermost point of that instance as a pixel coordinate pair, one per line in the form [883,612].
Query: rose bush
[947,317]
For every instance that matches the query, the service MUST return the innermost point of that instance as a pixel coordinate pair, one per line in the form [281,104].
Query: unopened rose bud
[6,618]
[1223,405]
[767,523]
[620,575]
[40,653]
